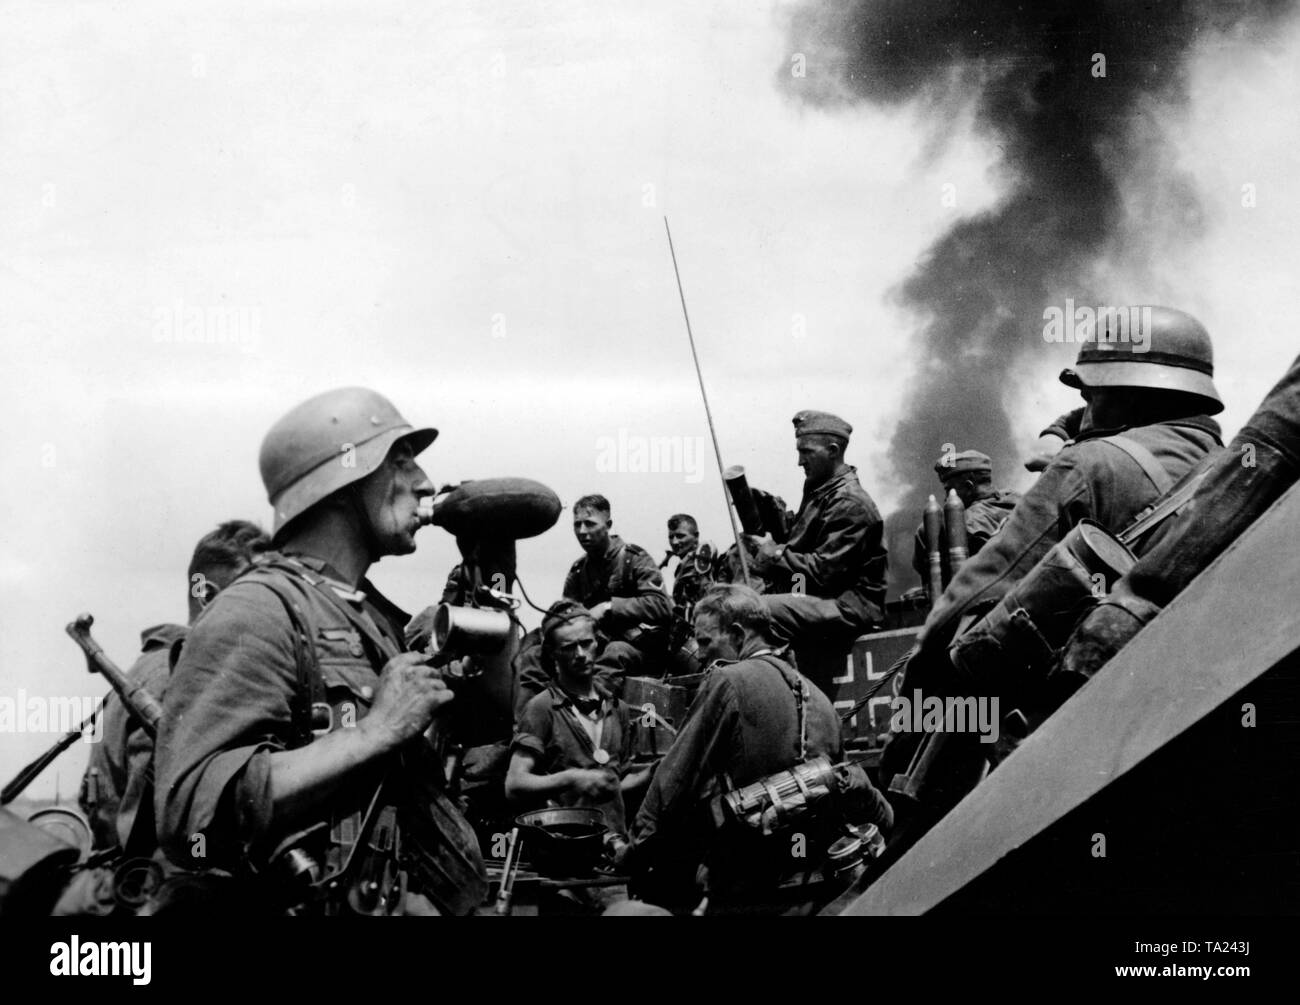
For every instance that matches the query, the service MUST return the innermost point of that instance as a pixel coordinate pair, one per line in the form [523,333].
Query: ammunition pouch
[778,801]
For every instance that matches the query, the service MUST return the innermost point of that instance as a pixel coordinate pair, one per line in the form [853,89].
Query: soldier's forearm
[808,565]
[650,608]
[526,785]
[302,779]
[636,779]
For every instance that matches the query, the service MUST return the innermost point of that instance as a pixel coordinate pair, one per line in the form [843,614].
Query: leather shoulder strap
[1161,511]
[1146,460]
[311,687]
[797,683]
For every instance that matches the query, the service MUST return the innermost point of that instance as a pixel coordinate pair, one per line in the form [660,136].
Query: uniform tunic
[1089,479]
[627,577]
[548,732]
[836,550]
[231,702]
[743,725]
[119,772]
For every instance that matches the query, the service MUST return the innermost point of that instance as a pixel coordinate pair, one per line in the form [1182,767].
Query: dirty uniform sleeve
[1060,498]
[228,706]
[650,605]
[692,760]
[1065,427]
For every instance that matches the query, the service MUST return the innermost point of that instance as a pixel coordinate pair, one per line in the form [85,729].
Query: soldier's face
[818,456]
[714,643]
[573,647]
[1108,407]
[391,497]
[965,489]
[682,540]
[591,528]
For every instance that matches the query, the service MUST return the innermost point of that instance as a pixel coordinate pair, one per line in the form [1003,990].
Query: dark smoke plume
[1064,138]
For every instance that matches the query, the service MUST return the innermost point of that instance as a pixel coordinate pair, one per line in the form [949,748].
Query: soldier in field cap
[826,583]
[811,423]
[970,473]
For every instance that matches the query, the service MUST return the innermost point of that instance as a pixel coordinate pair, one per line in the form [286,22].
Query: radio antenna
[708,412]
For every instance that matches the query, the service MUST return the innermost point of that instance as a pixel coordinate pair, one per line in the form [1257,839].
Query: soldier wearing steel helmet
[294,720]
[1148,400]
[1260,464]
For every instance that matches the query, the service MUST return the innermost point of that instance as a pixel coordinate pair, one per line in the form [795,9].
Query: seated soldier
[622,589]
[755,715]
[573,742]
[621,586]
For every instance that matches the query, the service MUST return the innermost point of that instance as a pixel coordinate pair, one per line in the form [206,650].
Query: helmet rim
[318,483]
[1136,373]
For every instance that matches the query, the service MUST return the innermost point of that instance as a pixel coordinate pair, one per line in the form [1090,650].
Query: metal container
[510,508]
[565,840]
[738,488]
[470,631]
[34,866]
[66,824]
[1017,640]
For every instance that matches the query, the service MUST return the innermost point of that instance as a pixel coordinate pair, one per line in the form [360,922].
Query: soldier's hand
[767,552]
[593,784]
[600,610]
[409,693]
[1045,449]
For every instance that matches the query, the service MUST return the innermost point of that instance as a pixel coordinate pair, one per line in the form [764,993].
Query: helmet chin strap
[368,536]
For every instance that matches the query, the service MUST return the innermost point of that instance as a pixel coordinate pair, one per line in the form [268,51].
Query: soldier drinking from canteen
[293,745]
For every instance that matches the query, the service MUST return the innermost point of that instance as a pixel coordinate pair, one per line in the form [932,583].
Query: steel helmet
[327,442]
[1148,346]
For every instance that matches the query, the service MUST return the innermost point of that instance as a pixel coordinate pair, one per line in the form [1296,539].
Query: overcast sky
[208,216]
